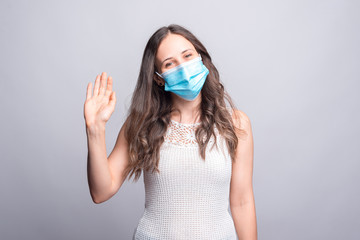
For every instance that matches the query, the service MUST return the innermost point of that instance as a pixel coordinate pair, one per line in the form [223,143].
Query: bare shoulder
[241,120]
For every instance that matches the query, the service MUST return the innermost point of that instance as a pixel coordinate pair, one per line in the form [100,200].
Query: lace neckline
[185,124]
[182,134]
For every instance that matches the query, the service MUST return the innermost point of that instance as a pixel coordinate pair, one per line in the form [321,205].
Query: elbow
[97,199]
[238,205]
[100,197]
[242,201]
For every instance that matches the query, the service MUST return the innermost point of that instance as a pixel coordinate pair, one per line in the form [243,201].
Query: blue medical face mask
[187,79]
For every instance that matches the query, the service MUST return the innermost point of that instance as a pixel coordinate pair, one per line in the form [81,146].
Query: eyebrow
[172,57]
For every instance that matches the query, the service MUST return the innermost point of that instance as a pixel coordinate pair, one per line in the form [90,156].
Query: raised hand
[99,106]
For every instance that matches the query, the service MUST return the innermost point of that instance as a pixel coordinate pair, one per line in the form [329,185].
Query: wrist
[95,128]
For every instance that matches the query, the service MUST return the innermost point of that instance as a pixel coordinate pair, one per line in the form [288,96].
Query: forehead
[171,46]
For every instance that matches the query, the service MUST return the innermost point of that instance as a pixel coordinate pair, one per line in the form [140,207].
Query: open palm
[99,106]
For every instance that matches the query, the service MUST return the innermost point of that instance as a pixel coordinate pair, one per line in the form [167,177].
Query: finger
[102,84]
[112,99]
[96,87]
[88,91]
[109,87]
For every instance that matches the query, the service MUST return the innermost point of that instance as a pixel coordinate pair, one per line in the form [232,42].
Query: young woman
[196,152]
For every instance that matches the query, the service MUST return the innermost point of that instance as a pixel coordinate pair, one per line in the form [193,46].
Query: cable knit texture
[189,198]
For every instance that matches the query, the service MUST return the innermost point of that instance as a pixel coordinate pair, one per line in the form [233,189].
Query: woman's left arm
[242,203]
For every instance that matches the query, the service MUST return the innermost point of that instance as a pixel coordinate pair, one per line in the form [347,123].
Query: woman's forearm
[244,217]
[99,175]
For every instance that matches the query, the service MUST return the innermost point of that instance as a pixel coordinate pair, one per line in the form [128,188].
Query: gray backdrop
[291,66]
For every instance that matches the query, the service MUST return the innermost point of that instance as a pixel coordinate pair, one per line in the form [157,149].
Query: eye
[168,64]
[188,55]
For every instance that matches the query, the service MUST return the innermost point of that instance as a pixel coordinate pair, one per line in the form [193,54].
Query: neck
[186,111]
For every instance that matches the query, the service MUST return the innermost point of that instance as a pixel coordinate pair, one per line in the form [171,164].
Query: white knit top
[189,198]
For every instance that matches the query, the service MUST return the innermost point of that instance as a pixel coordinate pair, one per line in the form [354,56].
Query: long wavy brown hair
[151,107]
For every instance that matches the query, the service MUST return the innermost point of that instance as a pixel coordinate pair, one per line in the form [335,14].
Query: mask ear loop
[158,74]
[162,84]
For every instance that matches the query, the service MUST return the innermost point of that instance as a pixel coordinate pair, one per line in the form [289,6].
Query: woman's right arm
[105,174]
